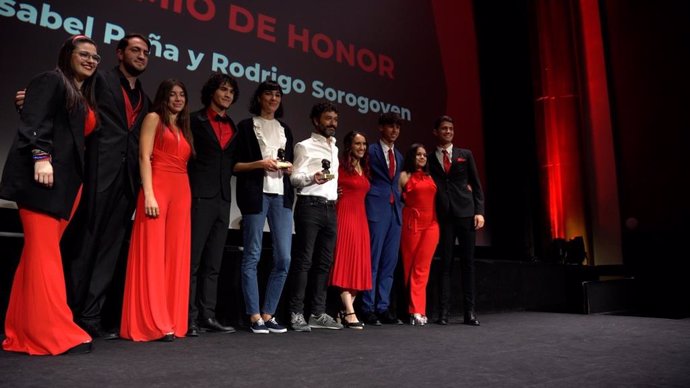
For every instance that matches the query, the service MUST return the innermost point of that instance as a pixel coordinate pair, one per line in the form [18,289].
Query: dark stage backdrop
[368,57]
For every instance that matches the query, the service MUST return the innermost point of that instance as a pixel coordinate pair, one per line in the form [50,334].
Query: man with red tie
[210,171]
[460,211]
[384,212]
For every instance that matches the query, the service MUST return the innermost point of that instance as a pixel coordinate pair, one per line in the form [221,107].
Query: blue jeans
[280,224]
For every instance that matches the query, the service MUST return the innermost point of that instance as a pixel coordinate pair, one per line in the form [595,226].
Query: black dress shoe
[212,324]
[82,348]
[110,335]
[167,338]
[389,319]
[95,330]
[443,317]
[471,319]
[372,319]
[193,330]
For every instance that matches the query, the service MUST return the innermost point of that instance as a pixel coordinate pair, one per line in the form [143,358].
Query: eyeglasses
[85,55]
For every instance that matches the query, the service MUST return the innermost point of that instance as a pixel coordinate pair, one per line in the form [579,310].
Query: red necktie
[446,161]
[391,169]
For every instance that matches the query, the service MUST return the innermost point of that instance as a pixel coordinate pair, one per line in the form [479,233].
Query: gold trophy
[326,165]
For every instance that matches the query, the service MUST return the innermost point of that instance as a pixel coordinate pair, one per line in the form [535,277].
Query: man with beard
[209,177]
[96,237]
[315,176]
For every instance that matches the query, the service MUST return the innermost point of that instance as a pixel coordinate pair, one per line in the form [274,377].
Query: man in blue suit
[384,212]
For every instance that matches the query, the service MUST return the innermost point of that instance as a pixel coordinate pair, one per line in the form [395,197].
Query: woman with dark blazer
[264,163]
[43,175]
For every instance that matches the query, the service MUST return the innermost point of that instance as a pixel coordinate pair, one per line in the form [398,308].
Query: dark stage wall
[414,57]
[648,62]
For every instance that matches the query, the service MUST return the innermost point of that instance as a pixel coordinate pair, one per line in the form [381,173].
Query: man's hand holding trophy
[325,174]
[326,165]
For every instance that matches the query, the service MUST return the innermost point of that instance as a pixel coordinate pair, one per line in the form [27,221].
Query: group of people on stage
[92,150]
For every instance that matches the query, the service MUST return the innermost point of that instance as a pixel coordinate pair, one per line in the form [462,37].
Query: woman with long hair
[351,271]
[43,175]
[264,163]
[157,284]
[420,231]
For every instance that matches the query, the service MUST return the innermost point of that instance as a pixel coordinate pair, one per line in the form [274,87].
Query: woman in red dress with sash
[420,231]
[156,295]
[351,271]
[43,174]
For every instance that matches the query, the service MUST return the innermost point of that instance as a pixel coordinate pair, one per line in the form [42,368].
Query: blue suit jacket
[378,197]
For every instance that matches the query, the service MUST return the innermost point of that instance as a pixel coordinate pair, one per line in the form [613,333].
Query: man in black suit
[97,237]
[209,177]
[460,211]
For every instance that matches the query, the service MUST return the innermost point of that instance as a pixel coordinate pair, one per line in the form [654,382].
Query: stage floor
[513,349]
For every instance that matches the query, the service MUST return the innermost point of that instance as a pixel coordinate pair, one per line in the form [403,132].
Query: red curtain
[558,116]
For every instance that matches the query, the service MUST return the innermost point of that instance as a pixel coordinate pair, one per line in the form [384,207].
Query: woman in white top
[263,165]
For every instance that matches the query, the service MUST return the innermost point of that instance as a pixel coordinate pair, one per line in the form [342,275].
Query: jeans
[280,224]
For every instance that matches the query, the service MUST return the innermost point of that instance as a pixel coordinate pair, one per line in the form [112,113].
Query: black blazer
[47,125]
[210,170]
[250,184]
[454,196]
[113,143]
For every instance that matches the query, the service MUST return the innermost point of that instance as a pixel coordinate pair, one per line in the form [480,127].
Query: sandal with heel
[352,325]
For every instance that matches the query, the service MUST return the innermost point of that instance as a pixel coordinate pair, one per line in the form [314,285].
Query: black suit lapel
[114,85]
[234,134]
[434,164]
[208,129]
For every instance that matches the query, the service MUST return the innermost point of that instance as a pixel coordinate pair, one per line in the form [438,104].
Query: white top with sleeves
[271,137]
[308,156]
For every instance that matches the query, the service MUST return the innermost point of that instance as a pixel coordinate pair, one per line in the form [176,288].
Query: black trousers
[94,245]
[461,228]
[210,219]
[312,252]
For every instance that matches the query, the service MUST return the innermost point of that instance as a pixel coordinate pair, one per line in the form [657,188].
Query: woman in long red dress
[43,175]
[351,271]
[420,231]
[157,284]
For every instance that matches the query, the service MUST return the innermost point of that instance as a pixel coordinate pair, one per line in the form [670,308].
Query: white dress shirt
[308,156]
[439,153]
[385,149]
